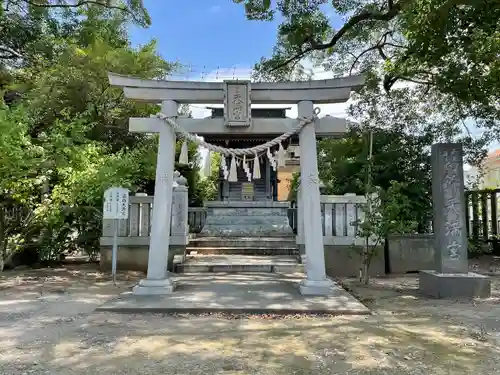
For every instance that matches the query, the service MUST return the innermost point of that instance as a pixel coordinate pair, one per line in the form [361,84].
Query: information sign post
[116,203]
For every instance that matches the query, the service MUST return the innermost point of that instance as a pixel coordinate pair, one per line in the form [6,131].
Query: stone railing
[196,219]
[340,213]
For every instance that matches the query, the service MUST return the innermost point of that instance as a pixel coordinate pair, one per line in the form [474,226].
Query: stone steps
[237,250]
[241,254]
[243,246]
[239,263]
[247,218]
[243,242]
[236,221]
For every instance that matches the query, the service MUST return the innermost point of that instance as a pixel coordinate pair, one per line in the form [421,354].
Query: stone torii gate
[237,97]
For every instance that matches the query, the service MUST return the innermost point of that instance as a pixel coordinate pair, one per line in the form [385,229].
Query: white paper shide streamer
[233,171]
[246,169]
[256,168]
[281,154]
[207,168]
[183,157]
[238,157]
[223,166]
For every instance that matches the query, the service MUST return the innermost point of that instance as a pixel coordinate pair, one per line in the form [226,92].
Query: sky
[215,41]
[206,34]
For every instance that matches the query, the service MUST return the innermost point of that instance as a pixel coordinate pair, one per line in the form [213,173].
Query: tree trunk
[366,265]
[366,277]
[3,240]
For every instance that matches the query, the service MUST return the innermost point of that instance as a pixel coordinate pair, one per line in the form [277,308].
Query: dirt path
[48,326]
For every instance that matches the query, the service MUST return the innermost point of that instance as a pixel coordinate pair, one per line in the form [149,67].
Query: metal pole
[115,248]
[368,188]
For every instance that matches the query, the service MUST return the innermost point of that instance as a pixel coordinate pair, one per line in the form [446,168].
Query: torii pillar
[158,280]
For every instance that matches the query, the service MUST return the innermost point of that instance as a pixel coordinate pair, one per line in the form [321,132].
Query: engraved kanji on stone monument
[451,193]
[237,103]
[449,208]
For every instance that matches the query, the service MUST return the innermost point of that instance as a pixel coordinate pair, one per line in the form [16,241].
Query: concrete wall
[405,253]
[285,175]
[345,261]
[135,258]
[411,253]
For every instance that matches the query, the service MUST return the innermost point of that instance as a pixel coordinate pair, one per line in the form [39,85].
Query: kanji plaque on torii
[237,103]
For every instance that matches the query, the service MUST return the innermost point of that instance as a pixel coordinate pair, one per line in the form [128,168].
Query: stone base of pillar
[148,287]
[454,285]
[318,287]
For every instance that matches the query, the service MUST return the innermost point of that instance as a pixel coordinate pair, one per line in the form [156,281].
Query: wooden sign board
[237,104]
[247,191]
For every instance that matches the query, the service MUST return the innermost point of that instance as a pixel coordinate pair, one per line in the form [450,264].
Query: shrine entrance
[253,146]
[264,188]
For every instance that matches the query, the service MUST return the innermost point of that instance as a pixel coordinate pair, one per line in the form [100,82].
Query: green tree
[446,48]
[19,181]
[69,134]
[29,28]
[294,185]
[386,212]
[210,184]
[397,158]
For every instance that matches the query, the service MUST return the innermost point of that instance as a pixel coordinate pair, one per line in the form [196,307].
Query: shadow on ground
[48,326]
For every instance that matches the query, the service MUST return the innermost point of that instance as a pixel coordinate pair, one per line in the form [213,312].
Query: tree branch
[382,53]
[391,13]
[12,54]
[381,42]
[81,3]
[394,45]
[361,55]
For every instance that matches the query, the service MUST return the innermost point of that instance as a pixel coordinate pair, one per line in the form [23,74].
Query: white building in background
[491,165]
[471,176]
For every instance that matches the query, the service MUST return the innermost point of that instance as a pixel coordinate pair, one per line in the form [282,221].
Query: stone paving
[49,325]
[239,293]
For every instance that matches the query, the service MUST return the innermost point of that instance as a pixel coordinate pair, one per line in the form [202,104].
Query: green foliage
[29,29]
[294,185]
[76,85]
[386,212]
[209,186]
[64,131]
[20,157]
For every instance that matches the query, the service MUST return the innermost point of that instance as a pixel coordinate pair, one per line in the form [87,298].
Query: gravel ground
[48,326]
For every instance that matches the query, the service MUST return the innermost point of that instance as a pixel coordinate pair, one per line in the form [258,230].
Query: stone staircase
[241,254]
